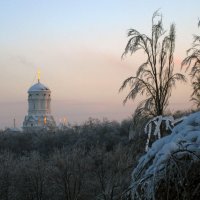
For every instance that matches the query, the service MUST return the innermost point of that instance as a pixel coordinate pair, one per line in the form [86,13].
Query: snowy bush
[168,155]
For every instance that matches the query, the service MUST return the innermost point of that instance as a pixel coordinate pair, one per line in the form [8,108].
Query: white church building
[39,109]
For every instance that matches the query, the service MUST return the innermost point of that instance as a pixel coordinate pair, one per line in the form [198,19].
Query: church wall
[39,102]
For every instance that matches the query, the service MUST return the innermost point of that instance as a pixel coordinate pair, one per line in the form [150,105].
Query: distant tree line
[89,161]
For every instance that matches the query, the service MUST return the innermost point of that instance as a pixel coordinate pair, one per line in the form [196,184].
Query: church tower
[39,109]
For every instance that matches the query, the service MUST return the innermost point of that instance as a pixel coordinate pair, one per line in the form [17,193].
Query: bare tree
[110,172]
[7,163]
[67,174]
[155,78]
[31,176]
[193,60]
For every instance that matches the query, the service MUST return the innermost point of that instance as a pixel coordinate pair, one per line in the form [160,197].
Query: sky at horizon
[78,46]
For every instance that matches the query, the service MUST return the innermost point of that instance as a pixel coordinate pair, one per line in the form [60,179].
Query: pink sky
[78,47]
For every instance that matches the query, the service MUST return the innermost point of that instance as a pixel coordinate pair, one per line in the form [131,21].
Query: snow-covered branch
[167,154]
[154,125]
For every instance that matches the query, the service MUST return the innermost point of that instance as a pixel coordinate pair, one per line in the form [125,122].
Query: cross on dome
[38,75]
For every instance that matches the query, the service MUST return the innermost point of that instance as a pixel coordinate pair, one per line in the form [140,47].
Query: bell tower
[39,108]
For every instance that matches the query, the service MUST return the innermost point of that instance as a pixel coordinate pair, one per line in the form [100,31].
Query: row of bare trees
[89,161]
[65,175]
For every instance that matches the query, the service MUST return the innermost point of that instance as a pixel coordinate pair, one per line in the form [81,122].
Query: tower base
[36,123]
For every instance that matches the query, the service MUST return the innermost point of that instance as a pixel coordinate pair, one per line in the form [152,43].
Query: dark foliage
[181,182]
